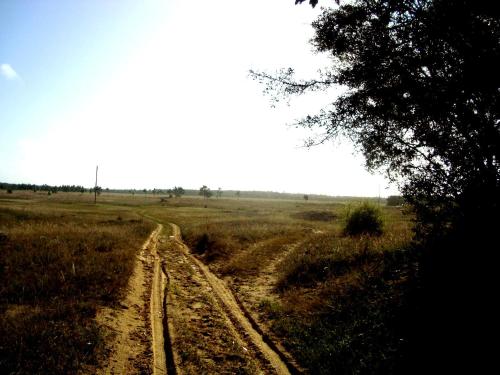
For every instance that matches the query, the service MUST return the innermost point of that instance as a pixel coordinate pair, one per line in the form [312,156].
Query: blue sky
[157,93]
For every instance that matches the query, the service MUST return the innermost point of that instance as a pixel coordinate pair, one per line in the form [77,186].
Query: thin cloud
[8,72]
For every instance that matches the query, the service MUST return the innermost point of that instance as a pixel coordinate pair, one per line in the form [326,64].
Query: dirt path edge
[271,352]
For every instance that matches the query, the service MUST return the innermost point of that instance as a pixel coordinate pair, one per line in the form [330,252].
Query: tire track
[157,307]
[167,326]
[146,301]
[130,350]
[247,327]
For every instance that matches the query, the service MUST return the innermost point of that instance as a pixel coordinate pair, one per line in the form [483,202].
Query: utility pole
[95,187]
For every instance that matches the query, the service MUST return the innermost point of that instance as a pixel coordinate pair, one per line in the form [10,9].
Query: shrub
[211,247]
[365,219]
[395,200]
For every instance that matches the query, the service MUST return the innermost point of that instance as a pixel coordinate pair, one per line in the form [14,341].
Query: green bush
[365,219]
[395,200]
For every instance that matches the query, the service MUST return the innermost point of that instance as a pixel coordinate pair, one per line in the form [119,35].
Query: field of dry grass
[60,259]
[336,303]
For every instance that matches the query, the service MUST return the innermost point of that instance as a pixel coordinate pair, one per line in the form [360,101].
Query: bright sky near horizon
[157,93]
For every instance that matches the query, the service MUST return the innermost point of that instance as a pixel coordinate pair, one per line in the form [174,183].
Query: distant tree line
[44,187]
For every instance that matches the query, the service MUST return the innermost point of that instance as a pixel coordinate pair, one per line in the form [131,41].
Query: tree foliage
[205,192]
[178,191]
[421,98]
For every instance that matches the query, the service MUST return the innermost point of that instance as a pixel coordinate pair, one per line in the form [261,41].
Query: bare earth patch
[131,344]
[212,333]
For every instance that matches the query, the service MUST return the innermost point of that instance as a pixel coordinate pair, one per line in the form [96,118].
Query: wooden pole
[95,187]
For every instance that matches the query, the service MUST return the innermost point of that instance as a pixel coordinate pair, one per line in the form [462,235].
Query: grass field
[60,259]
[336,303]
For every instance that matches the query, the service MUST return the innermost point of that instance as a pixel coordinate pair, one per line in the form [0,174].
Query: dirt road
[229,321]
[136,328]
[179,318]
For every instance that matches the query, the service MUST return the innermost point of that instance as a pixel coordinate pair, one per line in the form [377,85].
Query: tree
[306,197]
[238,194]
[205,192]
[421,101]
[178,191]
[422,98]
[219,193]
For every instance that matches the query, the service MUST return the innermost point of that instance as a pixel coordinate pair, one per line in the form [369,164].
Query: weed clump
[210,247]
[365,219]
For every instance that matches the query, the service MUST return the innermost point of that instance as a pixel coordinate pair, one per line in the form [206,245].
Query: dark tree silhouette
[421,100]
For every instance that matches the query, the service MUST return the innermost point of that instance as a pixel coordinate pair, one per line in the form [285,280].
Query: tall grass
[343,305]
[340,301]
[57,265]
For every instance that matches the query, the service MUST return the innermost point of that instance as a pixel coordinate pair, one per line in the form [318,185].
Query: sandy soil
[136,345]
[250,292]
[180,318]
[204,305]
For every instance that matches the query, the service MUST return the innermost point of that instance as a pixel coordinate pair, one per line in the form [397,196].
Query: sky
[157,93]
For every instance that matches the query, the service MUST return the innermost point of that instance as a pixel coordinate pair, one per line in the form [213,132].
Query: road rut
[137,326]
[270,360]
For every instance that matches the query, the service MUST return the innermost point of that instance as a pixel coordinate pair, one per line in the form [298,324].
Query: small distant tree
[219,193]
[238,194]
[306,197]
[205,192]
[144,191]
[178,191]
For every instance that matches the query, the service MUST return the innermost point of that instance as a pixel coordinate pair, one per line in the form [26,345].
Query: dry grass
[341,300]
[58,263]
[343,305]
